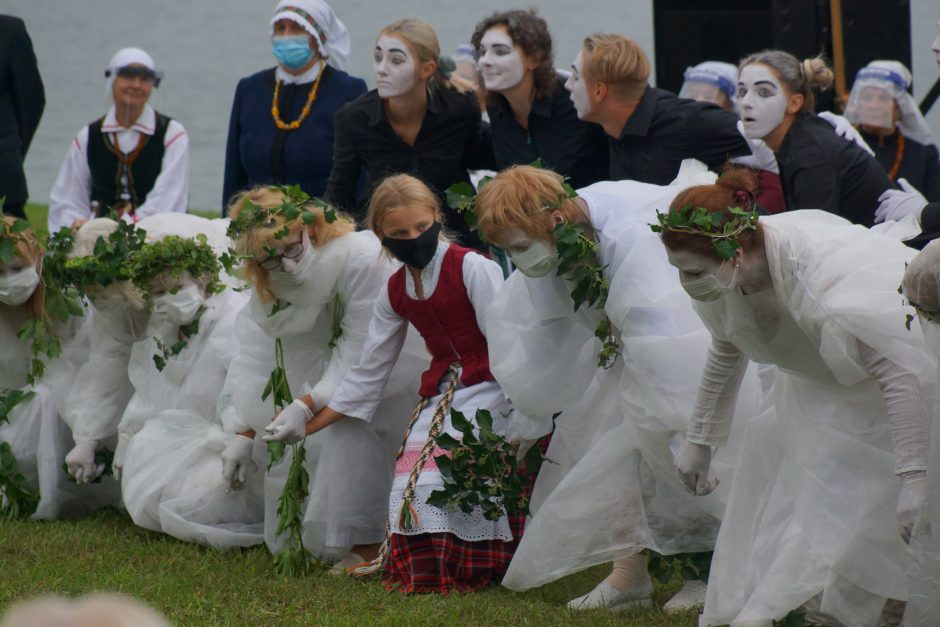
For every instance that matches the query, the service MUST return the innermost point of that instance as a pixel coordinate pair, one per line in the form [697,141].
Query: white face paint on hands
[393,66]
[935,46]
[762,101]
[578,88]
[501,62]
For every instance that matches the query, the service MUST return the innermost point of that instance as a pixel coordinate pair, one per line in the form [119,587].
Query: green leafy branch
[174,256]
[577,261]
[481,469]
[107,264]
[297,204]
[17,499]
[293,560]
[186,332]
[9,400]
[722,230]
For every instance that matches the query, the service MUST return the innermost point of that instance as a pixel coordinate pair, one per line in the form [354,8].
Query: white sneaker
[605,595]
[342,567]
[691,596]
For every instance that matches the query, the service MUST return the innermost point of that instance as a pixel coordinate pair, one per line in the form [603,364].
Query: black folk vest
[130,177]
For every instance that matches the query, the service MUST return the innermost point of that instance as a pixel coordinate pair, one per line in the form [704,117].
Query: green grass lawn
[198,586]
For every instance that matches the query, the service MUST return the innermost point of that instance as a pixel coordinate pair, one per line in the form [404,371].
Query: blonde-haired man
[651,130]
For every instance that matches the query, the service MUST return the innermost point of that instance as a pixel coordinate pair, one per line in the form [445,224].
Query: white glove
[910,501]
[693,461]
[761,157]
[845,130]
[524,431]
[120,452]
[81,462]
[289,426]
[236,462]
[897,204]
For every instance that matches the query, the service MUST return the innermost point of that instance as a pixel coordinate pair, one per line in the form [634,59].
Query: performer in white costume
[831,472]
[613,479]
[170,441]
[922,288]
[313,290]
[34,431]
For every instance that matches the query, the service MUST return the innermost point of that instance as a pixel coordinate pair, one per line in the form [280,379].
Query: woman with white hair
[281,126]
[134,160]
[889,119]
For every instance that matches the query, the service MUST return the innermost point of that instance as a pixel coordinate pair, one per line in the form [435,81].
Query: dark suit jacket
[22,100]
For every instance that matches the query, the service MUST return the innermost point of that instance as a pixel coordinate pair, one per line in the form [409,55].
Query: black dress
[452,140]
[573,148]
[820,170]
[920,163]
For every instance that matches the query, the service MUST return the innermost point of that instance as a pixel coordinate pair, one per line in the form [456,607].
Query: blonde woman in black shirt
[419,120]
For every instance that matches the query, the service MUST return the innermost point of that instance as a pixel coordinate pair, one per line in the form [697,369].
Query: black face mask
[417,252]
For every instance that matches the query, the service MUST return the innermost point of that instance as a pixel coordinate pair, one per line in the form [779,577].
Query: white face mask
[393,66]
[501,63]
[180,308]
[762,102]
[578,89]
[16,287]
[293,273]
[707,288]
[536,260]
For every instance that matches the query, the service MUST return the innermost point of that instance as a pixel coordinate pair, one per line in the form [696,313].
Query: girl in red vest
[443,290]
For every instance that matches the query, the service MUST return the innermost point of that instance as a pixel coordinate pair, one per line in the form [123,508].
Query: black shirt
[452,139]
[820,170]
[666,129]
[920,163]
[573,148]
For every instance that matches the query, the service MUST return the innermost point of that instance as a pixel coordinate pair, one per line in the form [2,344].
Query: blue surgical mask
[292,51]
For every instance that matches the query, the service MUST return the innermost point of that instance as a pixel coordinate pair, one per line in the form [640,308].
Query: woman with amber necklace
[281,126]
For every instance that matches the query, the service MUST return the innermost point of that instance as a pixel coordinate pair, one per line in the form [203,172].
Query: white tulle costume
[922,286]
[38,437]
[350,464]
[811,512]
[611,488]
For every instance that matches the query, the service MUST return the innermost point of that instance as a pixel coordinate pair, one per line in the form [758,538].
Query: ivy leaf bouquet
[481,470]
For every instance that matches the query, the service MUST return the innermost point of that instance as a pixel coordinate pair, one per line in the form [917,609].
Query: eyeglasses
[291,251]
[137,71]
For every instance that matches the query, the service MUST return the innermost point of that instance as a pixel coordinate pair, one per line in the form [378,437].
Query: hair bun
[816,73]
[739,179]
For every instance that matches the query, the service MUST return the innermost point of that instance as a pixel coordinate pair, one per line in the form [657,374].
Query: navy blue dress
[257,153]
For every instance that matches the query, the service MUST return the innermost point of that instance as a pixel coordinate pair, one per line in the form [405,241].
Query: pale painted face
[691,266]
[501,62]
[534,257]
[577,88]
[935,46]
[762,100]
[394,67]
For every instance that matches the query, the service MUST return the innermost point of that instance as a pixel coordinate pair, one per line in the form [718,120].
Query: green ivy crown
[175,255]
[721,229]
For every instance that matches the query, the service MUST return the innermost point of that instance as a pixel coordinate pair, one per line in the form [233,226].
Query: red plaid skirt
[442,562]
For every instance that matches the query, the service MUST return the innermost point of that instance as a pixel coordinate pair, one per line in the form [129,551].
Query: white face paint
[501,62]
[935,46]
[578,89]
[703,278]
[762,101]
[533,257]
[393,66]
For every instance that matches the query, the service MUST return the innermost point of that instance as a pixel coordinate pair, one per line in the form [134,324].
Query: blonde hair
[253,243]
[93,610]
[28,249]
[798,77]
[523,197]
[422,40]
[617,61]
[84,246]
[401,190]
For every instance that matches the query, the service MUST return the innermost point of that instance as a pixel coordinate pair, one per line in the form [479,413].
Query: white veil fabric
[811,515]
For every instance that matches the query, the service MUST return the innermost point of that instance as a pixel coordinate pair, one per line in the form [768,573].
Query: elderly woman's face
[133,89]
[876,107]
[290,28]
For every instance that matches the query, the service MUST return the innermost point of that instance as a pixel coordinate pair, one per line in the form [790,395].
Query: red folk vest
[447,322]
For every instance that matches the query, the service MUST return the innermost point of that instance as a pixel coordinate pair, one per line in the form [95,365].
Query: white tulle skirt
[40,440]
[173,483]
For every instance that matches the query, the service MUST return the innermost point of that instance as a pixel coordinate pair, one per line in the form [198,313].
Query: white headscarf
[894,78]
[722,75]
[318,19]
[125,57]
